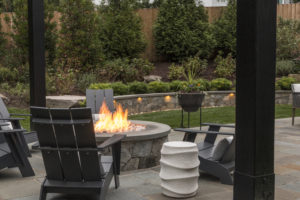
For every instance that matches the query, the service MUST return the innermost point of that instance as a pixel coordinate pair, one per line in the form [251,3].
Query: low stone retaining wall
[141,103]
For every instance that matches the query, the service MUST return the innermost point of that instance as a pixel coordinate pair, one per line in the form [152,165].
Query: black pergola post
[36,52]
[255,100]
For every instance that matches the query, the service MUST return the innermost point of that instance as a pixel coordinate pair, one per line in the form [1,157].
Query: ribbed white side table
[179,169]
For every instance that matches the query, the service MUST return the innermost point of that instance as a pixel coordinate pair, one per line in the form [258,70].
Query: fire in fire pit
[116,122]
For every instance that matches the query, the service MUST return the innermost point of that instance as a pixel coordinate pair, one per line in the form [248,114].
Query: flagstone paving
[145,184]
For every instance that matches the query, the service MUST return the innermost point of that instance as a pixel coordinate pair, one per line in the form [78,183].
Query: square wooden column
[36,52]
[255,99]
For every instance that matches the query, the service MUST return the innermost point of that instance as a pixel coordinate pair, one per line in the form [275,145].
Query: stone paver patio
[145,184]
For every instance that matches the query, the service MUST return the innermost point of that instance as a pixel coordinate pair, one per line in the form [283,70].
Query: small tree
[121,30]
[79,47]
[225,30]
[20,34]
[182,30]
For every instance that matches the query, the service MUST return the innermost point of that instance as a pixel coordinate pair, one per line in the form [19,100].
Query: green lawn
[216,115]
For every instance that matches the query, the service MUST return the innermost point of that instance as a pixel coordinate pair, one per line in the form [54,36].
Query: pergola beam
[36,52]
[255,100]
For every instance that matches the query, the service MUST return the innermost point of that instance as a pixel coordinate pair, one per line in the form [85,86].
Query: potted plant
[191,93]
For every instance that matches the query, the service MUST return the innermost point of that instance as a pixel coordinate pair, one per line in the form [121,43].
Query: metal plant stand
[182,118]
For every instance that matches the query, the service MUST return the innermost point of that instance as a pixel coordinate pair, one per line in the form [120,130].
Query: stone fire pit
[141,149]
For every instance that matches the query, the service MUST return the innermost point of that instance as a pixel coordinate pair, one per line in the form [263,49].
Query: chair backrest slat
[66,139]
[91,171]
[94,99]
[109,99]
[47,138]
[99,99]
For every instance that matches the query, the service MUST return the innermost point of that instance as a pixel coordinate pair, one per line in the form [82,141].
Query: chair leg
[293,116]
[43,193]
[117,181]
[226,178]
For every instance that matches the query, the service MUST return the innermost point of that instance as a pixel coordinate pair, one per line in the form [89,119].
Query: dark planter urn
[190,102]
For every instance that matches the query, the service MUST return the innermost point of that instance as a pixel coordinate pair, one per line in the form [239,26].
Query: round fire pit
[141,149]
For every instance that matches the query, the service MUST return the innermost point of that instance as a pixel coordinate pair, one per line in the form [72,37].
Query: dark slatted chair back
[109,99]
[3,110]
[296,95]
[94,100]
[67,142]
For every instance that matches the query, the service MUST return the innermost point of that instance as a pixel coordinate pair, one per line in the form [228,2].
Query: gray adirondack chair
[296,100]
[11,152]
[225,164]
[70,153]
[5,116]
[95,98]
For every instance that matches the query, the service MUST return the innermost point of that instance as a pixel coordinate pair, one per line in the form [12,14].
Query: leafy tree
[20,32]
[182,30]
[225,30]
[121,30]
[79,46]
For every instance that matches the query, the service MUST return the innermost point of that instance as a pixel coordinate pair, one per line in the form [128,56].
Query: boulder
[66,101]
[151,78]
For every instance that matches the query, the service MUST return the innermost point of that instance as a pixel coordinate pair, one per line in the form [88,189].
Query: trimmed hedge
[158,87]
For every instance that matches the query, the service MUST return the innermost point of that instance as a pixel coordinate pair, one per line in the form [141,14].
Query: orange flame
[112,122]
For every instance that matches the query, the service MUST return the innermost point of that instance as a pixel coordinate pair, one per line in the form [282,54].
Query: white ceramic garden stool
[179,169]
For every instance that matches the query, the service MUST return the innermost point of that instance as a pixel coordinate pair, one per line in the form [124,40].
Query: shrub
[98,86]
[157,87]
[182,30]
[120,88]
[285,83]
[175,85]
[224,30]
[85,80]
[65,80]
[225,66]
[194,67]
[79,45]
[138,87]
[8,75]
[175,72]
[284,67]
[143,67]
[203,84]
[121,30]
[221,84]
[126,70]
[288,40]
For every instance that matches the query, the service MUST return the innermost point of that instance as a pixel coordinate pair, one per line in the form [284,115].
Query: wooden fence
[148,16]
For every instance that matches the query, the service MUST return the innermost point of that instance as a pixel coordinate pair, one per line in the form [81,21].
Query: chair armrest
[186,130]
[219,125]
[16,114]
[112,140]
[12,131]
[4,124]
[12,119]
